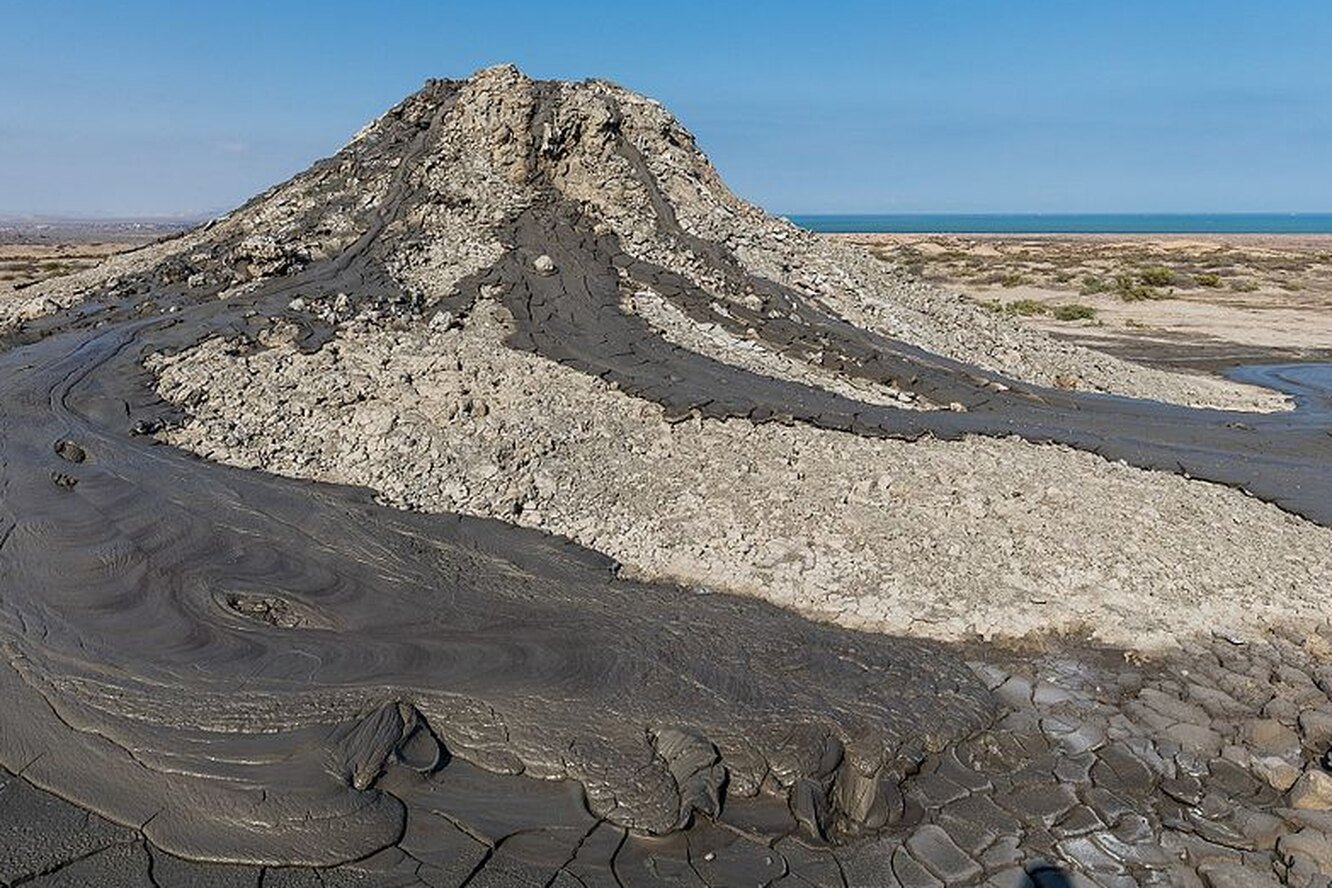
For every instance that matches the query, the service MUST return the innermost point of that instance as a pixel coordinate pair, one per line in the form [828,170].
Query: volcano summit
[585,396]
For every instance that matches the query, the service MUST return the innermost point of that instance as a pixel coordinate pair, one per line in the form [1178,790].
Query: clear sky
[189,106]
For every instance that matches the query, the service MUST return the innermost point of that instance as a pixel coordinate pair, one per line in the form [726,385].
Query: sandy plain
[1189,301]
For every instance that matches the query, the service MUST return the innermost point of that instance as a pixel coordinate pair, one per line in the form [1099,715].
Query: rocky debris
[947,323]
[1316,729]
[452,420]
[715,341]
[846,278]
[1279,773]
[1312,791]
[70,451]
[444,320]
[477,177]
[261,255]
[64,480]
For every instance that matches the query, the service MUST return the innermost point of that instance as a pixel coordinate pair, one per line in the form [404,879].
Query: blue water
[1310,384]
[1072,223]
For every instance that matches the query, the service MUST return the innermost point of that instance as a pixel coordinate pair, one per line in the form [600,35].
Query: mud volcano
[254,670]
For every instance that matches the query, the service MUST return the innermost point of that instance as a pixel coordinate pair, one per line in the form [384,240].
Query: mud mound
[252,668]
[241,665]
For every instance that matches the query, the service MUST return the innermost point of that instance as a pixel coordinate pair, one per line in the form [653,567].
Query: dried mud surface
[217,675]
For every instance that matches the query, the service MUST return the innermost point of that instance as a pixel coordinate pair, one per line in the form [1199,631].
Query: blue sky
[146,108]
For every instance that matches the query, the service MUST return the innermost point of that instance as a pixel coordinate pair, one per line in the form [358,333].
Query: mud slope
[246,668]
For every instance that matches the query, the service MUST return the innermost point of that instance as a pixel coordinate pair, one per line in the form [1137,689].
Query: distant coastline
[1067,223]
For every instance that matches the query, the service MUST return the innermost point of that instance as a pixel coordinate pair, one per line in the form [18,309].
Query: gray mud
[233,659]
[240,668]
[1120,774]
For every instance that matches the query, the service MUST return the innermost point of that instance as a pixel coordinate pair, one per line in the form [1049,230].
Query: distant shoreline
[1067,223]
[55,231]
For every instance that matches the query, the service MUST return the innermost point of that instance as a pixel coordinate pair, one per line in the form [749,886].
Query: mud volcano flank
[251,668]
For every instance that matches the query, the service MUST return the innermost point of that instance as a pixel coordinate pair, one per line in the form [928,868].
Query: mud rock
[1312,791]
[1277,772]
[1316,729]
[1310,844]
[1270,737]
[1230,875]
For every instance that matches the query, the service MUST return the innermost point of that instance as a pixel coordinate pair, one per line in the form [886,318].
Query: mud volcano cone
[256,669]
[245,667]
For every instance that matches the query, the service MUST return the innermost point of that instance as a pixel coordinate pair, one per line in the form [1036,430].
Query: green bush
[1002,278]
[1207,279]
[1026,307]
[1091,285]
[1157,276]
[1130,289]
[1073,311]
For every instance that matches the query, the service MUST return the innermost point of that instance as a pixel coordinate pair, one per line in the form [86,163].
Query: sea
[1069,223]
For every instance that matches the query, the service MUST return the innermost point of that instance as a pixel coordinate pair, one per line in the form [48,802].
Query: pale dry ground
[943,539]
[45,267]
[998,538]
[22,264]
[1227,295]
[39,279]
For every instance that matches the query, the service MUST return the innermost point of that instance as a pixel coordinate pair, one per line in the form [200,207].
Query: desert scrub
[1207,279]
[1073,311]
[1091,285]
[1131,289]
[1003,279]
[1024,307]
[1157,276]
[1243,286]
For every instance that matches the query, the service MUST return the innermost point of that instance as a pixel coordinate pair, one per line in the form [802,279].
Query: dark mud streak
[574,318]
